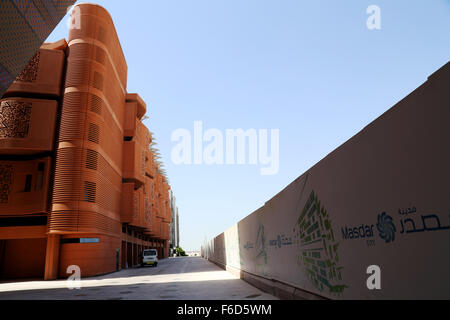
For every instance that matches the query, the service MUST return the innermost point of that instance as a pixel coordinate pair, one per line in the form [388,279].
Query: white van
[150,257]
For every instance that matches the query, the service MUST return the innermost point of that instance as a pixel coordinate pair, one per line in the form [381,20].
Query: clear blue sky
[311,69]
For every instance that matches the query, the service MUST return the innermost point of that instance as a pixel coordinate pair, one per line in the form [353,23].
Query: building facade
[174,231]
[79,181]
[25,24]
[177,227]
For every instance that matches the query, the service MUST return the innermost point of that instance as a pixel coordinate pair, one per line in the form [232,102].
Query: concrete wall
[382,198]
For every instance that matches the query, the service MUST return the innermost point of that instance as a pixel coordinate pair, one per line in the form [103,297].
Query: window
[151,252]
[28,180]
[40,177]
[80,240]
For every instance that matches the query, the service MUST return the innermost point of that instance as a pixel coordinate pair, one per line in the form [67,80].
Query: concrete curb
[274,287]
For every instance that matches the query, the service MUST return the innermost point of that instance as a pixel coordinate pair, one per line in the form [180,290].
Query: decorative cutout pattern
[143,163]
[91,159]
[29,74]
[6,179]
[98,81]
[15,119]
[94,133]
[147,211]
[90,190]
[136,205]
[100,56]
[96,104]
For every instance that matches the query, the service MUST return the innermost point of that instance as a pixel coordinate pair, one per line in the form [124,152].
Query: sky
[311,69]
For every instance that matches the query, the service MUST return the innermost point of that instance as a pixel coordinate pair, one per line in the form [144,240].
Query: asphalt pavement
[182,278]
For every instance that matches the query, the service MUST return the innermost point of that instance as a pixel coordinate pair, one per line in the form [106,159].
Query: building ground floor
[30,252]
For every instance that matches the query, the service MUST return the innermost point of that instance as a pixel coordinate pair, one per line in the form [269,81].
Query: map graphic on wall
[318,249]
[260,250]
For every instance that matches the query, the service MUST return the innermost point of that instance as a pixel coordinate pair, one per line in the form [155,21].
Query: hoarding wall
[382,198]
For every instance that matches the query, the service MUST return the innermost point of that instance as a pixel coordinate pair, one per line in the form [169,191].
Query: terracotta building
[79,181]
[25,24]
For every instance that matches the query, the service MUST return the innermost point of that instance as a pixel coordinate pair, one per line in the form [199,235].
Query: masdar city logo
[386,227]
[408,222]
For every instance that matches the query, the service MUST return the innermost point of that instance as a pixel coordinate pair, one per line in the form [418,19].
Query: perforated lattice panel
[15,119]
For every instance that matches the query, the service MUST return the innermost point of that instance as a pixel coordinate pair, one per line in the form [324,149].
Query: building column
[123,255]
[126,247]
[166,249]
[52,257]
[135,254]
[139,254]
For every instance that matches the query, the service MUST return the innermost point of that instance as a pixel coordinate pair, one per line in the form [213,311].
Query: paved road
[188,278]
